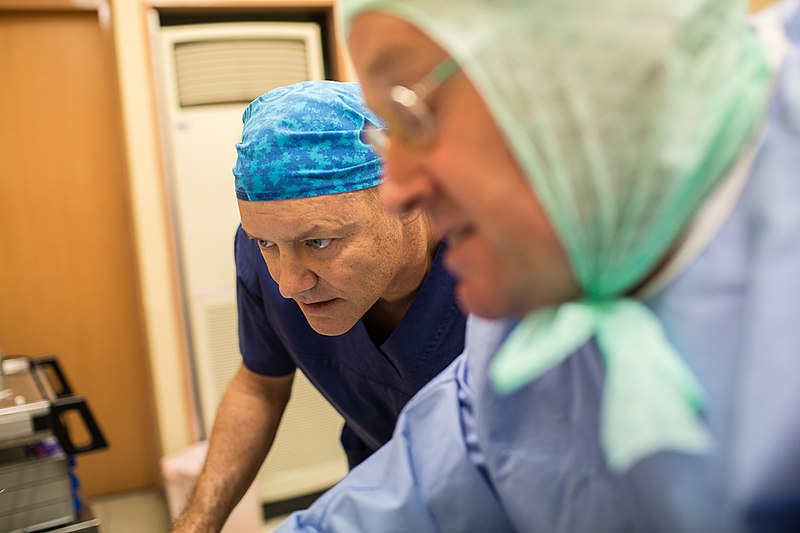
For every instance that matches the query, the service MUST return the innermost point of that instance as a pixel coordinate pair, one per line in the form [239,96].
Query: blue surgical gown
[465,459]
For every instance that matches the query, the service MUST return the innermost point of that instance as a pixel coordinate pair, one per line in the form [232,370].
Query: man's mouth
[314,302]
[319,307]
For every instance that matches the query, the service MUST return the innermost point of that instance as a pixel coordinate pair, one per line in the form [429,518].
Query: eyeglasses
[408,116]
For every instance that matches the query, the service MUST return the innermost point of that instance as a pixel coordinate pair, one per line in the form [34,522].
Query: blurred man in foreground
[621,178]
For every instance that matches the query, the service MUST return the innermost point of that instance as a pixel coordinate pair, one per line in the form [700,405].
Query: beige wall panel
[68,282]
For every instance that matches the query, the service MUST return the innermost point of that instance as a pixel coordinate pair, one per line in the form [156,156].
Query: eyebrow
[389,59]
[317,230]
[313,232]
[251,237]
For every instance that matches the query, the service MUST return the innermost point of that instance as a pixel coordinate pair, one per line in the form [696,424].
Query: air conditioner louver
[221,341]
[228,71]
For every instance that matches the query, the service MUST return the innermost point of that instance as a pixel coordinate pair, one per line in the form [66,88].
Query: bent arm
[427,478]
[244,430]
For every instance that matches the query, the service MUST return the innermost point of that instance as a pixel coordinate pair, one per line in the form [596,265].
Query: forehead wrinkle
[299,229]
[299,219]
[392,48]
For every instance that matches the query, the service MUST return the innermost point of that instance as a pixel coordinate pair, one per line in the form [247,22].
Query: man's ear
[407,217]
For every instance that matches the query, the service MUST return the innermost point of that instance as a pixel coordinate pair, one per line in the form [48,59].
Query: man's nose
[293,277]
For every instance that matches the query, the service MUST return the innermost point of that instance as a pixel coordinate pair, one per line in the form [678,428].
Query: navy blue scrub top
[367,384]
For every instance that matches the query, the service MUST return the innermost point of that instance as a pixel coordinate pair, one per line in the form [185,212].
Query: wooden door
[756,5]
[68,280]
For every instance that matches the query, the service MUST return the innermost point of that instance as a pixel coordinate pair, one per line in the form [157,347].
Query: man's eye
[265,244]
[319,244]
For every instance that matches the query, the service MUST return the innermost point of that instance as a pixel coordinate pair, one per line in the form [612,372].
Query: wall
[162,312]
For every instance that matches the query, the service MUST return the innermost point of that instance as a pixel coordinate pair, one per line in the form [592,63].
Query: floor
[138,511]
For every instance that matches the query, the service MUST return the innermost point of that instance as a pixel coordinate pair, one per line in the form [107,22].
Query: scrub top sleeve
[263,352]
[423,480]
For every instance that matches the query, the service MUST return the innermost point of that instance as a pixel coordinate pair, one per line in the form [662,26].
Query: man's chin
[487,306]
[329,328]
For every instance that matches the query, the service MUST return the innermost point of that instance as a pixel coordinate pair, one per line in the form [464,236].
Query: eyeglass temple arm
[436,77]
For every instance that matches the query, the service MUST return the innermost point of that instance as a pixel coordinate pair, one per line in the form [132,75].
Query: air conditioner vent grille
[229,71]
[223,344]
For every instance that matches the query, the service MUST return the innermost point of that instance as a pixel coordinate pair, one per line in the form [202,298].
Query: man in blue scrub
[621,178]
[328,282]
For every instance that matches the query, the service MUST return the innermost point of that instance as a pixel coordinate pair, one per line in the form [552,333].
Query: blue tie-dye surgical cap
[305,140]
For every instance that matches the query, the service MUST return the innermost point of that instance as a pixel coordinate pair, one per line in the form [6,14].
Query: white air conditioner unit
[209,73]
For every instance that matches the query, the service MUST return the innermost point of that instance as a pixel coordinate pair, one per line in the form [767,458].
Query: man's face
[503,250]
[335,255]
